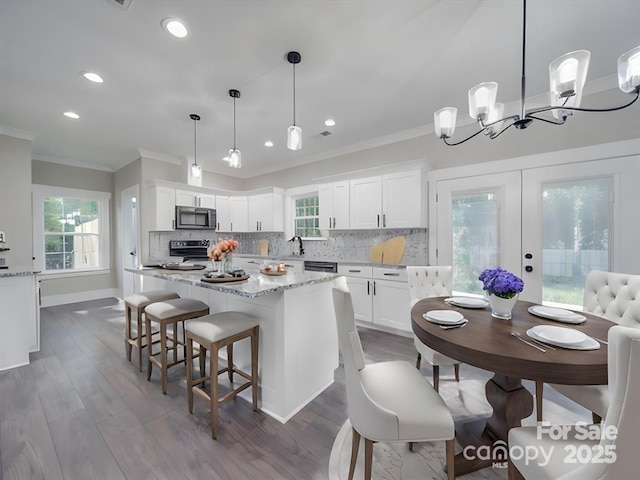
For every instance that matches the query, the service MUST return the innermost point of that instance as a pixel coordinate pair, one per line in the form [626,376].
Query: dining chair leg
[456,371]
[189,357]
[539,394]
[213,367]
[138,340]
[368,458]
[418,361]
[513,473]
[355,446]
[411,446]
[230,362]
[450,454]
[436,377]
[596,418]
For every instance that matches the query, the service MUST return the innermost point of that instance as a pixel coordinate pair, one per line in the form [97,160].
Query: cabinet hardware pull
[258,226]
[374,287]
[384,219]
[378,220]
[218,228]
[334,222]
[355,271]
[231,227]
[329,222]
[392,274]
[367,287]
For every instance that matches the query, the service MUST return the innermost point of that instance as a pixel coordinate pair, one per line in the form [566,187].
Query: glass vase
[227,263]
[501,307]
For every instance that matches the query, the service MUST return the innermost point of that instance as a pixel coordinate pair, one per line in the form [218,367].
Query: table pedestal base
[511,403]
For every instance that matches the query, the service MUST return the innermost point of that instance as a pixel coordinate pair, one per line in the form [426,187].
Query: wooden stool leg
[230,362]
[147,327]
[255,342]
[163,356]
[189,357]
[127,331]
[355,445]
[138,339]
[213,367]
[202,359]
[174,348]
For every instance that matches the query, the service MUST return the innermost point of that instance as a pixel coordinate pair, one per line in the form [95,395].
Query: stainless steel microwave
[195,218]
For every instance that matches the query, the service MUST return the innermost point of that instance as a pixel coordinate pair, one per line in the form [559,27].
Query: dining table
[489,343]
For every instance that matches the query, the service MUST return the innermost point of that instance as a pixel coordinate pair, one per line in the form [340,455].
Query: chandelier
[567,76]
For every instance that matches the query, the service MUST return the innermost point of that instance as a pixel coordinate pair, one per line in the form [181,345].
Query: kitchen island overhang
[298,337]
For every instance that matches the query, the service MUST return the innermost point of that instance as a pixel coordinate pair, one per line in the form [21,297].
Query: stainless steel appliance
[195,218]
[189,249]
[318,266]
[3,249]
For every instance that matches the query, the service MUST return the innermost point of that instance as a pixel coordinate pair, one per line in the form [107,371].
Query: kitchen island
[298,337]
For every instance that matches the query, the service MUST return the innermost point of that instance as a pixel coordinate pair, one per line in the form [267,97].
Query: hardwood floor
[80,410]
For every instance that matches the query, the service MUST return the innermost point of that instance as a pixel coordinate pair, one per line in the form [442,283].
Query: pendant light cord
[294,94]
[524,40]
[195,143]
[234,123]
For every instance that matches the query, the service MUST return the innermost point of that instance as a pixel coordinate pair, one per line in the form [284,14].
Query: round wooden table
[487,343]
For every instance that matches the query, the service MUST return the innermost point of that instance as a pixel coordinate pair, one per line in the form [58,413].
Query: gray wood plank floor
[81,411]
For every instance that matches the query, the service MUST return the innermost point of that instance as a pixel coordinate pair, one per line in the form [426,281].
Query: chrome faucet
[299,238]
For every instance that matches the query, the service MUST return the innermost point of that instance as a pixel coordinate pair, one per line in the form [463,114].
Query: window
[71,229]
[307,216]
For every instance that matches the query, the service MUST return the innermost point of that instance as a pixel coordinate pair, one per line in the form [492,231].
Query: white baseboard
[53,300]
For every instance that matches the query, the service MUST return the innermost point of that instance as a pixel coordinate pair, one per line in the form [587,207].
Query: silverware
[539,343]
[449,327]
[517,335]
[601,341]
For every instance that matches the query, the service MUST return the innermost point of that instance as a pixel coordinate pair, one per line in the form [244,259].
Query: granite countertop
[15,273]
[256,285]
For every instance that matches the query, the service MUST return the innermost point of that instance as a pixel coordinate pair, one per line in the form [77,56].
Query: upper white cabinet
[223,215]
[396,200]
[163,207]
[333,201]
[195,199]
[239,214]
[266,212]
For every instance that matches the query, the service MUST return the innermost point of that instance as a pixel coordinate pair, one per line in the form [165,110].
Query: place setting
[447,319]
[467,302]
[557,314]
[562,337]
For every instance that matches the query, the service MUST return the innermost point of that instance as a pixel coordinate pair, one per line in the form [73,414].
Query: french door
[550,225]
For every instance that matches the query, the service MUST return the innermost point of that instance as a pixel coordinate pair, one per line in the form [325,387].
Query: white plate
[444,317]
[468,302]
[588,344]
[558,314]
[559,335]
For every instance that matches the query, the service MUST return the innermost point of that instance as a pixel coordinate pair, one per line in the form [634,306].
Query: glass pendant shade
[196,170]
[567,76]
[482,98]
[494,115]
[234,158]
[294,138]
[444,121]
[629,70]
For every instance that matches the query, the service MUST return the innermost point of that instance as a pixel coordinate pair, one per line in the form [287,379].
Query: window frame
[290,210]
[39,193]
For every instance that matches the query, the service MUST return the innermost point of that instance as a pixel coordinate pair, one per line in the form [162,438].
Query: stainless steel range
[189,249]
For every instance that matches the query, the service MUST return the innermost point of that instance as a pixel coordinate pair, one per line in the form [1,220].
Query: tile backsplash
[341,245]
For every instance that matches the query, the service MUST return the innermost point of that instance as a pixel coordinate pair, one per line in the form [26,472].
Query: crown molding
[17,133]
[70,162]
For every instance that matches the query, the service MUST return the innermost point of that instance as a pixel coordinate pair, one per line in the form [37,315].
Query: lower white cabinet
[380,295]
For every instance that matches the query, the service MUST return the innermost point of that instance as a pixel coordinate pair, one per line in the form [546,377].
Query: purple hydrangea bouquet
[501,283]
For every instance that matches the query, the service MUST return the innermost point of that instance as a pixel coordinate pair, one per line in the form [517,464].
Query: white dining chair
[386,401]
[424,282]
[615,296]
[573,456]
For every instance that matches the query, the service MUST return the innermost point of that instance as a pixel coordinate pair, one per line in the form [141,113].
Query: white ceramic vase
[501,307]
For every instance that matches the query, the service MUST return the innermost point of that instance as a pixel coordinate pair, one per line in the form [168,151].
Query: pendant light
[234,158]
[196,170]
[294,133]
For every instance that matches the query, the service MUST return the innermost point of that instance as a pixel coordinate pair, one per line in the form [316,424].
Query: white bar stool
[212,333]
[136,304]
[170,312]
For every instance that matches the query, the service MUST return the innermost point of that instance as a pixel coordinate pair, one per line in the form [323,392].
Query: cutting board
[390,251]
[264,248]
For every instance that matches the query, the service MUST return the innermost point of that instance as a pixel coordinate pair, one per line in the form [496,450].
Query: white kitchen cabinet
[239,214]
[223,214]
[333,199]
[266,212]
[366,203]
[396,200]
[163,207]
[195,199]
[380,296]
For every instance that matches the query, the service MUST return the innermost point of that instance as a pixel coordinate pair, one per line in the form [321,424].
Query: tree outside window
[307,217]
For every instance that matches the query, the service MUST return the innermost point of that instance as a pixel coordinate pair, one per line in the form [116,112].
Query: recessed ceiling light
[73,115]
[268,143]
[175,27]
[92,77]
[329,122]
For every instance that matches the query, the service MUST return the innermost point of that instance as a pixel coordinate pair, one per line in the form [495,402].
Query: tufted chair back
[615,296]
[427,282]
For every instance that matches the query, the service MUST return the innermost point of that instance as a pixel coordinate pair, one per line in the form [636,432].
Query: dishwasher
[318,266]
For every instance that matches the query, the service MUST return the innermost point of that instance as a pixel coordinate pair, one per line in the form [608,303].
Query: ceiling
[379,68]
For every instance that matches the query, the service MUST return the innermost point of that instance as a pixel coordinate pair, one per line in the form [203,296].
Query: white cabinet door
[206,201]
[365,196]
[238,212]
[404,201]
[361,291]
[186,199]
[333,201]
[391,304]
[223,214]
[266,212]
[164,207]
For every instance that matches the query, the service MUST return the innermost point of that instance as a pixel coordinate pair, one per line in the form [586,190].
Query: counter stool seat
[170,312]
[136,304]
[213,332]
